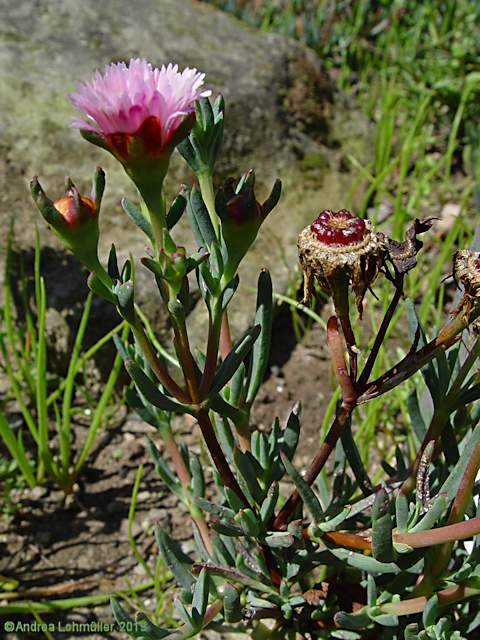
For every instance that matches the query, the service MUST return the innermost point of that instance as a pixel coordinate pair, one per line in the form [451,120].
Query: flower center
[338,227]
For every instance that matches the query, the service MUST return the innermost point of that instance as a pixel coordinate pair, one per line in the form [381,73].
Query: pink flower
[136,101]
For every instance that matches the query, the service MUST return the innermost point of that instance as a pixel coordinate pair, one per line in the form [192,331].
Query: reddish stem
[184,477]
[214,333]
[336,349]
[177,460]
[225,337]
[158,369]
[448,533]
[335,345]
[218,457]
[457,512]
[412,362]
[380,337]
[317,463]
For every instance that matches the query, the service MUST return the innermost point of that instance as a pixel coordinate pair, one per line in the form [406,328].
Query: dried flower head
[139,101]
[339,249]
[466,272]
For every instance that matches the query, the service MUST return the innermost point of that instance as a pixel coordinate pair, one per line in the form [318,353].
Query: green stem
[65,426]
[100,410]
[44,454]
[63,604]
[158,222]
[448,596]
[208,195]
[17,392]
[84,358]
[131,516]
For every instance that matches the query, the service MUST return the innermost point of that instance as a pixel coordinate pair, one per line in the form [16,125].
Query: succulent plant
[338,556]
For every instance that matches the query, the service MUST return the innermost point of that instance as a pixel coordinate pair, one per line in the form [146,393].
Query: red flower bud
[76,209]
[74,217]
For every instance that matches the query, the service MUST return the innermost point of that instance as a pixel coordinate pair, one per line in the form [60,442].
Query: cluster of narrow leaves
[311,578]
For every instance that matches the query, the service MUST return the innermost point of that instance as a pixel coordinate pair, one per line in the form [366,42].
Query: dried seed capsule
[466,271]
[339,250]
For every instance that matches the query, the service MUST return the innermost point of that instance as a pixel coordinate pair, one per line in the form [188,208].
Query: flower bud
[242,215]
[339,250]
[74,217]
[76,209]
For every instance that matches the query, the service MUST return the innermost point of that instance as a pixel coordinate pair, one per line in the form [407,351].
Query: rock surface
[282,116]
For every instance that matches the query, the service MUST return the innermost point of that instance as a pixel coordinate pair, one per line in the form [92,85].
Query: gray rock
[282,118]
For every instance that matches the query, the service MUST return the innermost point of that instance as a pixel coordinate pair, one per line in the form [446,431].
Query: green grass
[47,403]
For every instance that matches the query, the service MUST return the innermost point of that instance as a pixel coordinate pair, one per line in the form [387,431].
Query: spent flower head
[339,249]
[466,272]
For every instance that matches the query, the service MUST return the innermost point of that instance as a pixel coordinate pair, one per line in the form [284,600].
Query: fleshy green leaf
[176,211]
[233,360]
[232,607]
[200,597]
[151,392]
[177,561]
[199,219]
[306,493]
[164,470]
[382,528]
[261,349]
[137,217]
